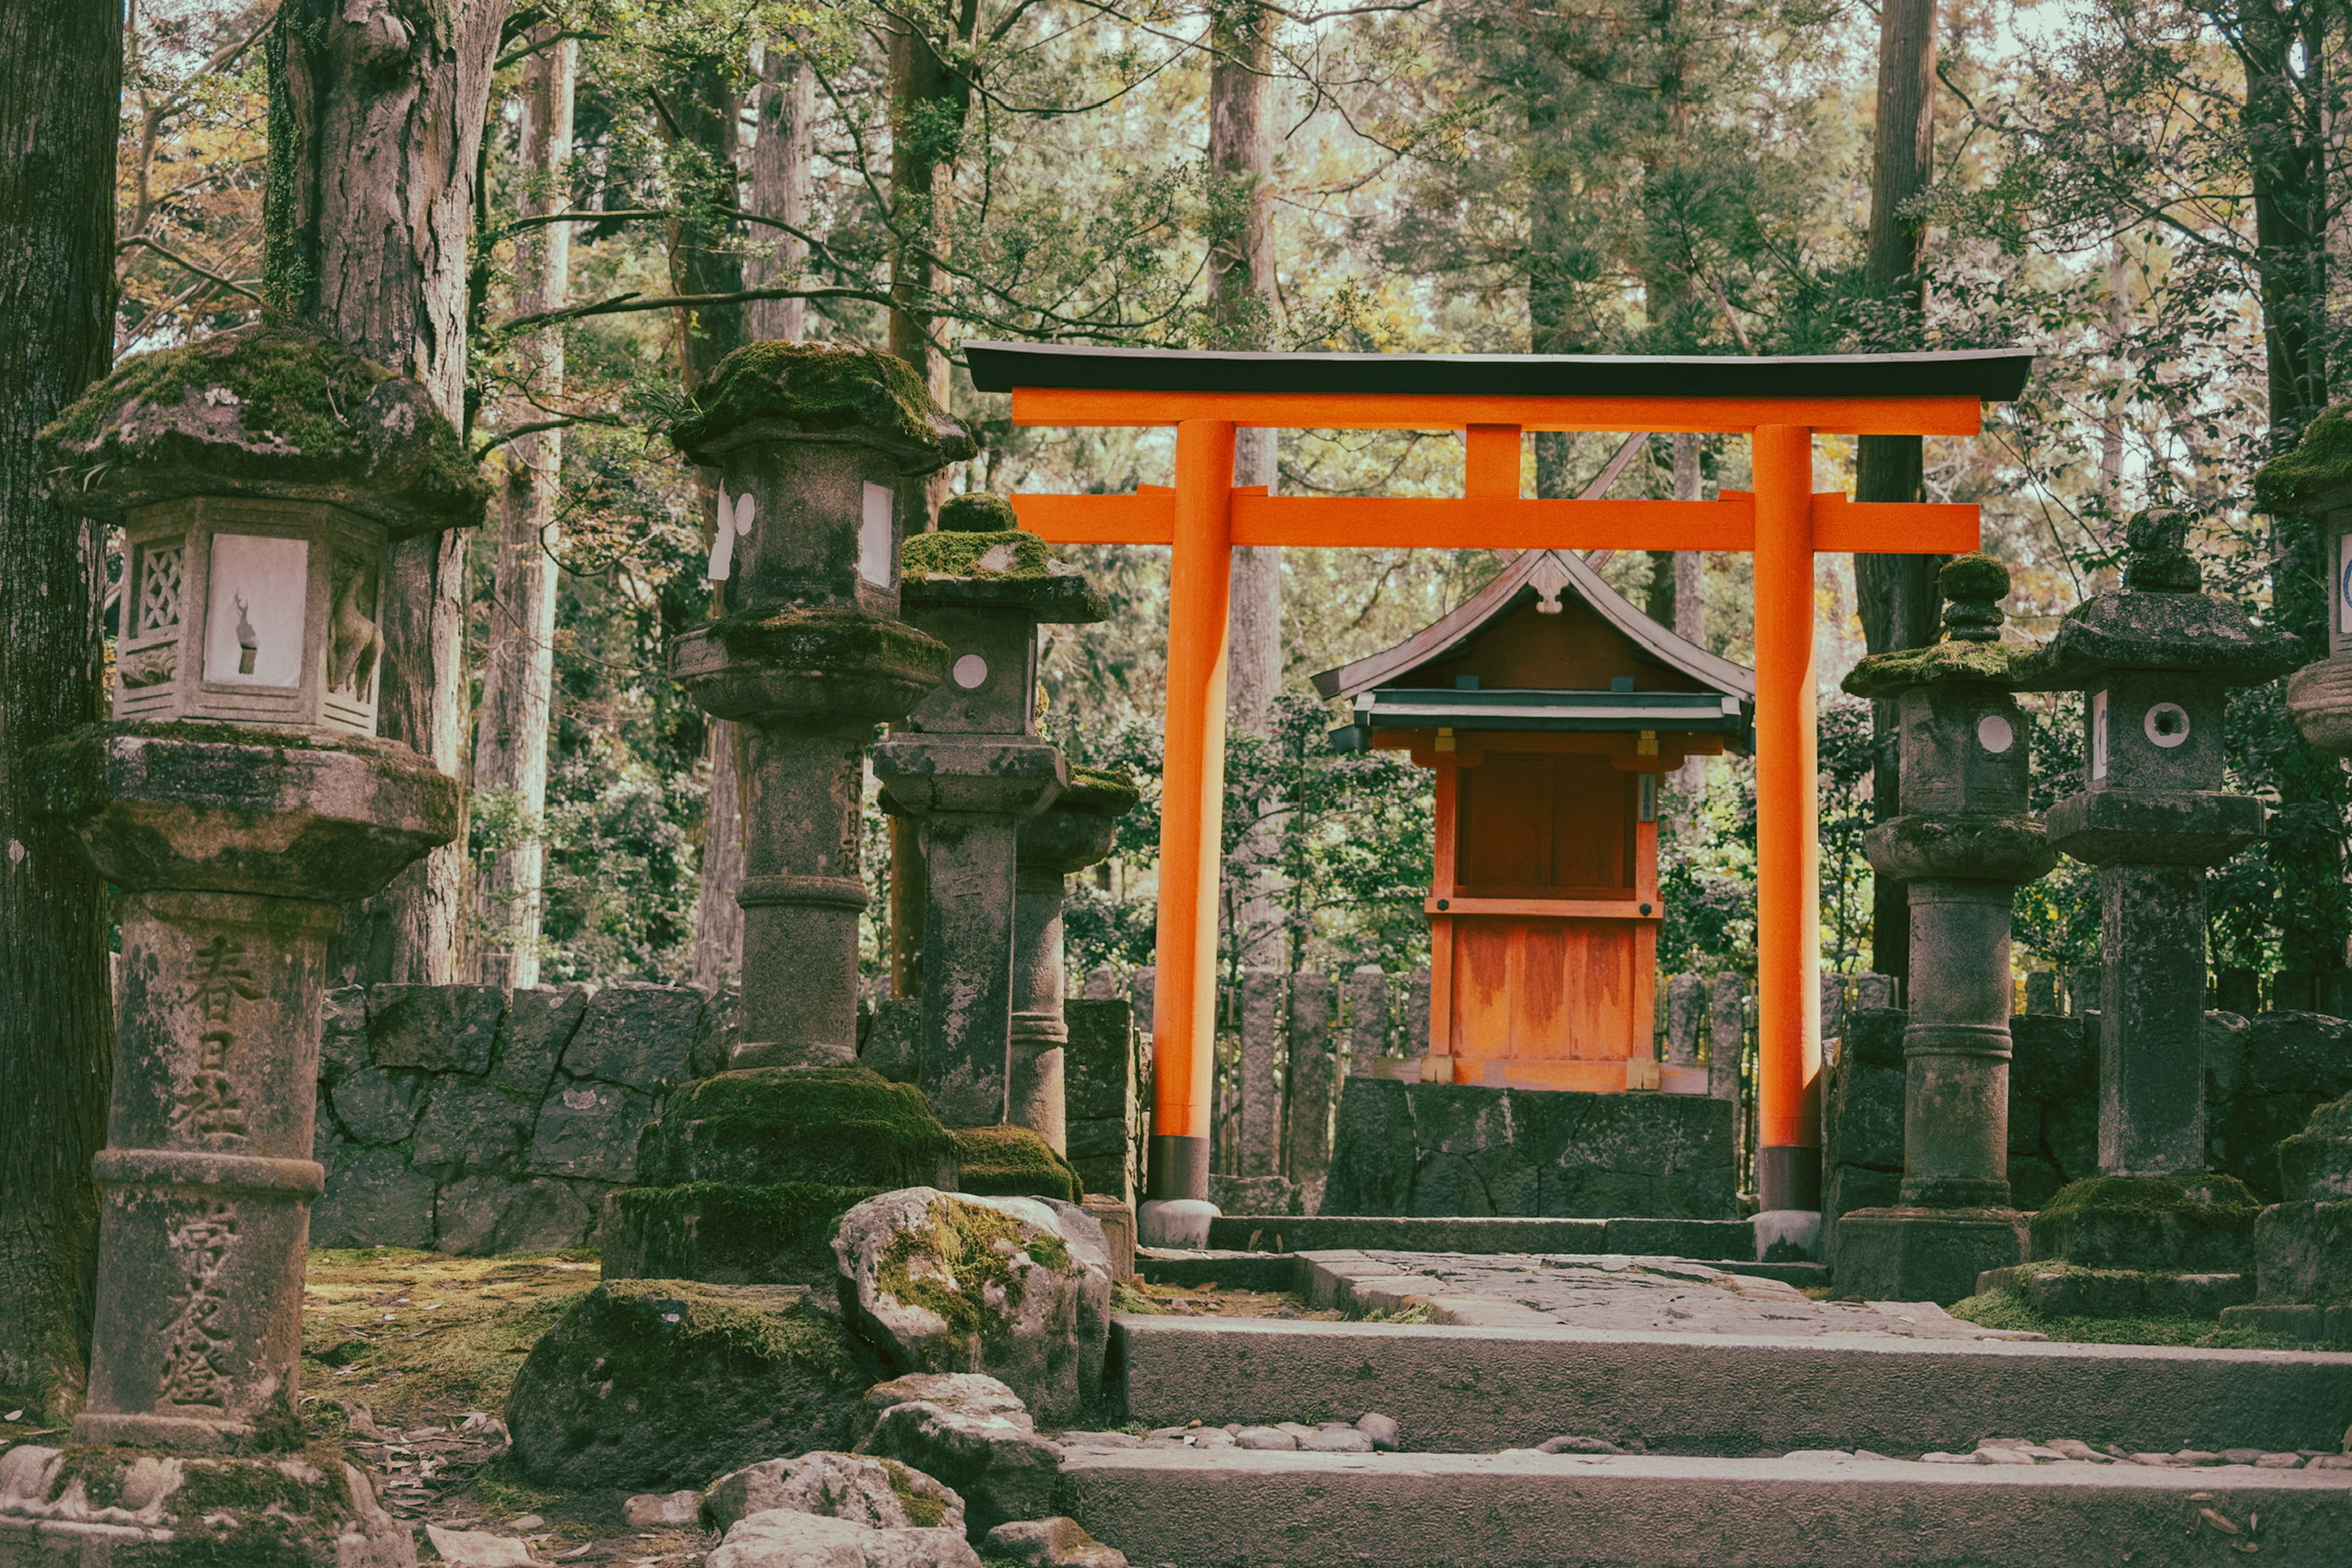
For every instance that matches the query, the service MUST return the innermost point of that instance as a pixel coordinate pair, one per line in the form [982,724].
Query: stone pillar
[242,806]
[1261,1083]
[2042,992]
[1070,835]
[1686,1005]
[969,767]
[1368,1018]
[806,653]
[1960,847]
[2154,660]
[1726,1036]
[1306,1139]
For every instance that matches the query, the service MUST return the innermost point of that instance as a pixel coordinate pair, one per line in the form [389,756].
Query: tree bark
[375,130]
[930,102]
[58,108]
[780,187]
[510,735]
[2287,133]
[1897,593]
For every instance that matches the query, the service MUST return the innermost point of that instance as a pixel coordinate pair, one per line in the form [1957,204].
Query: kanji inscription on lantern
[253,634]
[210,1105]
[193,1369]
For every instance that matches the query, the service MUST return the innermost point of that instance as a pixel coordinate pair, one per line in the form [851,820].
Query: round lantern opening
[971,672]
[1995,733]
[2167,724]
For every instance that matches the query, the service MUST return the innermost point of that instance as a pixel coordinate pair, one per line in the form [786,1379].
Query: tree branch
[179,260]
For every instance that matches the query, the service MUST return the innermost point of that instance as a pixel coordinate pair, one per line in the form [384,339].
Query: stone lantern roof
[272,410]
[1971,653]
[2161,619]
[980,555]
[2315,477]
[765,391]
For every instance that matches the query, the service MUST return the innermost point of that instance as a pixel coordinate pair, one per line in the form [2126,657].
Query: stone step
[1706,1240]
[1227,1507]
[1236,1270]
[1480,1389]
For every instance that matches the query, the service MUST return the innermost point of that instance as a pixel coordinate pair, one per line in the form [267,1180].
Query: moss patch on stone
[2008,1308]
[977,513]
[2196,1193]
[820,388]
[924,1511]
[1945,663]
[976,1244]
[1006,553]
[1109,792]
[844,1127]
[263,409]
[1013,1163]
[830,640]
[2195,1222]
[731,1232]
[283,1513]
[2320,463]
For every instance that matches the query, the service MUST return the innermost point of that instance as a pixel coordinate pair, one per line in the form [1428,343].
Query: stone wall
[1466,1149]
[478,1120]
[2263,1078]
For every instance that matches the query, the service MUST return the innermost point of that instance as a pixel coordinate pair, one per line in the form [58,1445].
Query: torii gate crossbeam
[1779,404]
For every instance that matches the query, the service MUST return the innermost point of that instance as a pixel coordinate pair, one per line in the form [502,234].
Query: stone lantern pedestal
[969,767]
[2154,661]
[242,800]
[1961,846]
[1069,836]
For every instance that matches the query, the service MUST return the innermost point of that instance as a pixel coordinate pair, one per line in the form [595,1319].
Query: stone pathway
[1610,1291]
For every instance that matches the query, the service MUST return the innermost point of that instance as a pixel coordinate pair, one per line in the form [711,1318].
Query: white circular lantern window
[2167,724]
[1995,733]
[971,672]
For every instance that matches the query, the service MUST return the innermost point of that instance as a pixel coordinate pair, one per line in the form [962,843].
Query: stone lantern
[241,799]
[968,766]
[806,654]
[1069,836]
[2315,480]
[2154,661]
[1963,845]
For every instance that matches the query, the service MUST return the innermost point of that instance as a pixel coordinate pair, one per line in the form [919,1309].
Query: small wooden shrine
[1547,706]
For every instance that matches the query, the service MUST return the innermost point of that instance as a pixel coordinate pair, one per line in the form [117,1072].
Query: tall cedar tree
[57,117]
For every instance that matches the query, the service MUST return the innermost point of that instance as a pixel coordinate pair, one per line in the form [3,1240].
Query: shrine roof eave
[1995,375]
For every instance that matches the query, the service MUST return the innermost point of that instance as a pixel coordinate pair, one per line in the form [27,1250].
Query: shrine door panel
[1538,988]
[1545,824]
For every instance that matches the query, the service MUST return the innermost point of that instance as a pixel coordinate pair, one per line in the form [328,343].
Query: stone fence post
[1727,1037]
[1368,1018]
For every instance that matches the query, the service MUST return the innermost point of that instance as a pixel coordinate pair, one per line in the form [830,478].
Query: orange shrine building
[1548,707]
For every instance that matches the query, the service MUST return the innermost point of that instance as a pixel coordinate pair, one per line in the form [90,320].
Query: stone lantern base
[1924,1254]
[2106,1247]
[95,1506]
[2303,1248]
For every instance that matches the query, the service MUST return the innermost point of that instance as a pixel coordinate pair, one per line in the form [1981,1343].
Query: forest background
[2103,185]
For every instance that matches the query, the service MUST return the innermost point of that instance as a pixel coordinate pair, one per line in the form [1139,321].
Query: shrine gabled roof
[1549,573]
[1991,374]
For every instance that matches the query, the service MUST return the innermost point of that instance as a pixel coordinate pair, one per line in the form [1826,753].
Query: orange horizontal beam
[1417,523]
[1549,909]
[1422,411]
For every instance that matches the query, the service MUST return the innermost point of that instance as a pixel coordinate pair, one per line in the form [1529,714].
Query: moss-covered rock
[1007,567]
[2316,1165]
[1109,792]
[730,1233]
[768,389]
[846,1127]
[2320,465]
[1952,663]
[2194,1222]
[1013,1163]
[271,410]
[654,1385]
[309,1509]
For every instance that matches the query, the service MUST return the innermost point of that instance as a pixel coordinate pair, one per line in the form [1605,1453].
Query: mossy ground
[1013,1163]
[2008,1308]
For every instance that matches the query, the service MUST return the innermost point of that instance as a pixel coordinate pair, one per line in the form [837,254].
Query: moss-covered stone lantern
[2154,661]
[241,800]
[1961,846]
[1069,836]
[806,654]
[2315,481]
[968,766]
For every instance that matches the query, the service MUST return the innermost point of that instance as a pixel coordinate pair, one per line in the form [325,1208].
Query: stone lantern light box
[260,478]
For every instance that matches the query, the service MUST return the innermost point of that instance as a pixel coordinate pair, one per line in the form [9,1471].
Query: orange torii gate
[1778,402]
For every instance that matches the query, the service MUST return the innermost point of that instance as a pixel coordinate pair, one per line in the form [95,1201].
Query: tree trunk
[1690,587]
[780,187]
[510,733]
[701,120]
[1241,316]
[375,129]
[930,101]
[2287,135]
[780,183]
[1897,593]
[57,107]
